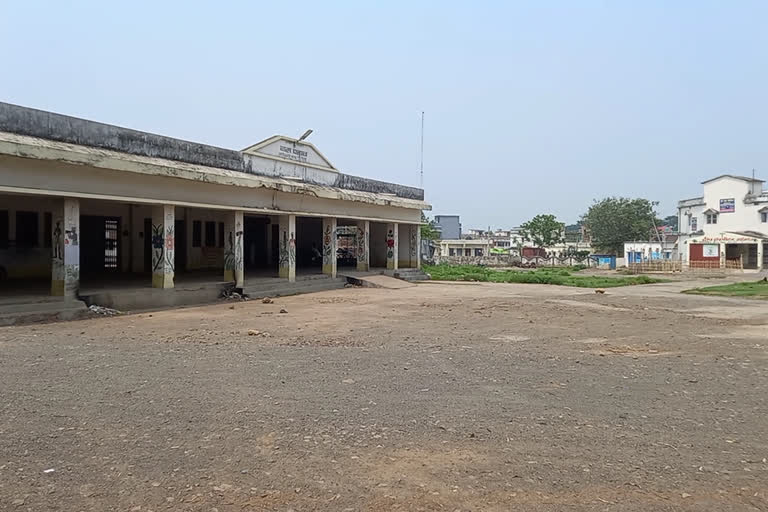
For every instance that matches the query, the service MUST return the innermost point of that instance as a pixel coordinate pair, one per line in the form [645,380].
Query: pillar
[233,248]
[329,246]
[723,255]
[65,249]
[760,254]
[392,246]
[363,245]
[287,245]
[416,246]
[163,245]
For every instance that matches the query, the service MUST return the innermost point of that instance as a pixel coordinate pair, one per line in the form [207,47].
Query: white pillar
[392,246]
[163,245]
[415,246]
[329,246]
[65,249]
[233,248]
[760,254]
[723,255]
[288,247]
[363,245]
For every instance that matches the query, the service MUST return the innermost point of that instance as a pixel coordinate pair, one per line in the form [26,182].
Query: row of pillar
[66,247]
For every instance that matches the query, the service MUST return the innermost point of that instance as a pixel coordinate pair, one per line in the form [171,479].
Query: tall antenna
[421,160]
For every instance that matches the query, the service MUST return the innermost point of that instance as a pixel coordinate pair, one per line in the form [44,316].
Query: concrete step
[286,288]
[43,311]
[136,299]
[411,274]
[379,281]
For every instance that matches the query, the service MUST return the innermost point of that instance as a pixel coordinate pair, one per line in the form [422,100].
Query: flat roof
[734,176]
[41,124]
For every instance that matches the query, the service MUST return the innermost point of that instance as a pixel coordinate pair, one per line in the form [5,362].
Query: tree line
[609,222]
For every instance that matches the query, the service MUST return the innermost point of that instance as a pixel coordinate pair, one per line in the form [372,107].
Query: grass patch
[556,276]
[753,289]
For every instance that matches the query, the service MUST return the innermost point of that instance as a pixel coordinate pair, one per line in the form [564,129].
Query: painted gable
[290,149]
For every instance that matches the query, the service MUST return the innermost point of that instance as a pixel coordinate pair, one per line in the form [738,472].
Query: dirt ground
[436,397]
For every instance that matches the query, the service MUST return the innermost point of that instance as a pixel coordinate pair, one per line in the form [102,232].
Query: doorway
[99,245]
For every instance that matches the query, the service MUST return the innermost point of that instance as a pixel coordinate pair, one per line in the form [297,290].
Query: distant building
[449,226]
[642,252]
[466,248]
[727,225]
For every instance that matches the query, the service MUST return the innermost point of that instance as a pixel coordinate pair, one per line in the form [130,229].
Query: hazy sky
[529,108]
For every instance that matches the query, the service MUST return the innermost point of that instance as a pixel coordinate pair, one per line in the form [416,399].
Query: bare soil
[437,397]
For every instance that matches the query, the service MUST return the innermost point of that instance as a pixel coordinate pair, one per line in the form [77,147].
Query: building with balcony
[727,226]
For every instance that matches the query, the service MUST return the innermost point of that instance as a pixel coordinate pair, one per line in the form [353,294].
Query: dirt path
[434,397]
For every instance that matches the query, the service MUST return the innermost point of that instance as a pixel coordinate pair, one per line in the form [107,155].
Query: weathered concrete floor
[433,397]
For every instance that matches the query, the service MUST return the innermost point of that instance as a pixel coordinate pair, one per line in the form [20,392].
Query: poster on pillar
[163,246]
[65,249]
[233,250]
[287,247]
[329,246]
[362,243]
[392,246]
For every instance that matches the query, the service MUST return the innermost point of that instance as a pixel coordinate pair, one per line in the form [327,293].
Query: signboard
[727,205]
[711,251]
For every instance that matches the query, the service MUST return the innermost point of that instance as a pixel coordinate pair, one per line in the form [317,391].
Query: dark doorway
[99,245]
[180,246]
[255,237]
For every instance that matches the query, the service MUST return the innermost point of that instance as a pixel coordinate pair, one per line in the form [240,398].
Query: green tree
[671,222]
[616,220]
[428,229]
[543,231]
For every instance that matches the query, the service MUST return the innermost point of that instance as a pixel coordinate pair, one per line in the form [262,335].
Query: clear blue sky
[529,108]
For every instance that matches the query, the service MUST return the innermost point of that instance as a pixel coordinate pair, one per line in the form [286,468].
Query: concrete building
[727,225]
[642,252]
[89,205]
[449,226]
[465,248]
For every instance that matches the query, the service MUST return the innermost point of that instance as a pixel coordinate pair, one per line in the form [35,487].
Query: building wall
[648,251]
[745,217]
[78,180]
[476,248]
[449,225]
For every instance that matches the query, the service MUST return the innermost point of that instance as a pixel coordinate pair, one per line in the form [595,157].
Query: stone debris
[102,310]
[267,300]
[233,295]
[254,332]
[283,311]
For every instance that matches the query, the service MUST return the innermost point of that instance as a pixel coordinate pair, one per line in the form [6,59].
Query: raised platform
[39,309]
[276,287]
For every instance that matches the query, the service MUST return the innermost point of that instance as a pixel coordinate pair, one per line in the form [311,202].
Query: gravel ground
[483,397]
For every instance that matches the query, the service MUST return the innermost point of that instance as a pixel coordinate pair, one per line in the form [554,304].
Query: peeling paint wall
[62,177]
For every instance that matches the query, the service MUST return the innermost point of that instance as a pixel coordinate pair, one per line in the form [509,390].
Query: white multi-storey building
[727,225]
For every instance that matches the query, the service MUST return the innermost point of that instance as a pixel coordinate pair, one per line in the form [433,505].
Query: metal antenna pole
[421,152]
